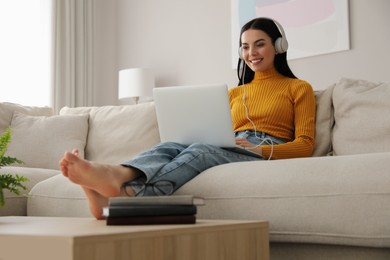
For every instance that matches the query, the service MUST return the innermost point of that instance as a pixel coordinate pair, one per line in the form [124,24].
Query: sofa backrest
[352,117]
[7,110]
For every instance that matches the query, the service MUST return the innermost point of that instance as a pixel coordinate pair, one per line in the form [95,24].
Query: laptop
[196,114]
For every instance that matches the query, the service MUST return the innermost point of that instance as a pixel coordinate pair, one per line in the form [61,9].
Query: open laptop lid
[194,114]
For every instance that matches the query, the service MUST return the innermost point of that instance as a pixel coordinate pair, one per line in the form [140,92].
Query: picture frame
[312,27]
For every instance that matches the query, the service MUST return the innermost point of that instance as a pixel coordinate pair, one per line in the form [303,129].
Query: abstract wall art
[312,27]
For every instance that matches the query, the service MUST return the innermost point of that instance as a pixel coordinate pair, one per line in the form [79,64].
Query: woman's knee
[170,145]
[202,147]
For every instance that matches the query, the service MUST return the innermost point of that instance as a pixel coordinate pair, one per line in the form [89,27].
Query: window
[25,52]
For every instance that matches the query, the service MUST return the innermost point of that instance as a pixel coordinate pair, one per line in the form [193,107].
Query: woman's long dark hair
[244,73]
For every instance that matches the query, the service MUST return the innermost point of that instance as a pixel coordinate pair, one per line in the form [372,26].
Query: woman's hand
[248,145]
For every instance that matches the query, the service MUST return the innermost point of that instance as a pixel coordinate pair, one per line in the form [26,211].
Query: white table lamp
[135,83]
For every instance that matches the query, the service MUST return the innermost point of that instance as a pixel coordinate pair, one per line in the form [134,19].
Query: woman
[273,115]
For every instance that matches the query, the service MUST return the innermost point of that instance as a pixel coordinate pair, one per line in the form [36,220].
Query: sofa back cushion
[40,141]
[324,122]
[7,110]
[117,133]
[362,119]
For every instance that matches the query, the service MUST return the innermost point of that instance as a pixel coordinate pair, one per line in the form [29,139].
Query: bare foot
[105,179]
[99,181]
[96,202]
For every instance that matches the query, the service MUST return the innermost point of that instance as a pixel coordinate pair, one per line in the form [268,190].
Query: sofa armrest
[16,205]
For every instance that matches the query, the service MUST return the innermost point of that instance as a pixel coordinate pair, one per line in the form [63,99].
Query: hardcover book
[149,210]
[151,220]
[157,200]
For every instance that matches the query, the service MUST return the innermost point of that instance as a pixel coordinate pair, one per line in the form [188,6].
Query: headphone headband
[281,43]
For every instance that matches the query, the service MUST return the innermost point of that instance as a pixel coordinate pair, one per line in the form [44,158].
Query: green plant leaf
[13,183]
[2,201]
[7,181]
[4,161]
[5,139]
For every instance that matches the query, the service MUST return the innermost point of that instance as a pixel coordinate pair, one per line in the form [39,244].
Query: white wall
[188,42]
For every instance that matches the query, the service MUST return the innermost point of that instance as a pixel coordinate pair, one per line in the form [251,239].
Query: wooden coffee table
[84,239]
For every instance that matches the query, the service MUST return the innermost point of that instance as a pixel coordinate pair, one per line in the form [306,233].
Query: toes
[76,152]
[71,157]
[64,171]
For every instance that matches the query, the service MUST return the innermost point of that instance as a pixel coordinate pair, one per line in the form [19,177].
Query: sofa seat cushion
[117,133]
[16,205]
[57,197]
[325,200]
[362,122]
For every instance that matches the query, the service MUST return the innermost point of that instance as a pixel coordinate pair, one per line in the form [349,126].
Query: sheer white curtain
[72,53]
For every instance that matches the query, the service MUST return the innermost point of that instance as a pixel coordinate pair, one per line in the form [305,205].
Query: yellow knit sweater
[279,106]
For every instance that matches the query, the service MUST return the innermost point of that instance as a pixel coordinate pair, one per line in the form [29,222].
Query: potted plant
[7,181]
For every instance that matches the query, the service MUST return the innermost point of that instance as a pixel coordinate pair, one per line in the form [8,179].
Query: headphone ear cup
[281,45]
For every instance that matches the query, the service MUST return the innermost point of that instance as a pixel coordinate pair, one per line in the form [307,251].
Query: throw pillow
[117,133]
[324,122]
[40,142]
[362,122]
[7,110]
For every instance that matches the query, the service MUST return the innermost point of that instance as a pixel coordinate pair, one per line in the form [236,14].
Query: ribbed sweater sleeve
[280,106]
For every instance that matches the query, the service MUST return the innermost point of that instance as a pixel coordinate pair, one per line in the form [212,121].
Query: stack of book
[175,209]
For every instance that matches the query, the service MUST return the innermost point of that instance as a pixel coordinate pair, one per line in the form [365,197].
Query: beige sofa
[333,205]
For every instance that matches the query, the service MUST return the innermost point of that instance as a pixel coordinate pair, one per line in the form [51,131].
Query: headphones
[281,43]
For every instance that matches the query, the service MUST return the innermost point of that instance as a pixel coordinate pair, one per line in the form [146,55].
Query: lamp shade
[136,83]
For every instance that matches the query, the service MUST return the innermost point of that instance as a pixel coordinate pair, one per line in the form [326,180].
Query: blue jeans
[178,164]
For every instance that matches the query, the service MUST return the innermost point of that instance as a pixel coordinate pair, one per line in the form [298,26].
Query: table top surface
[84,227]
